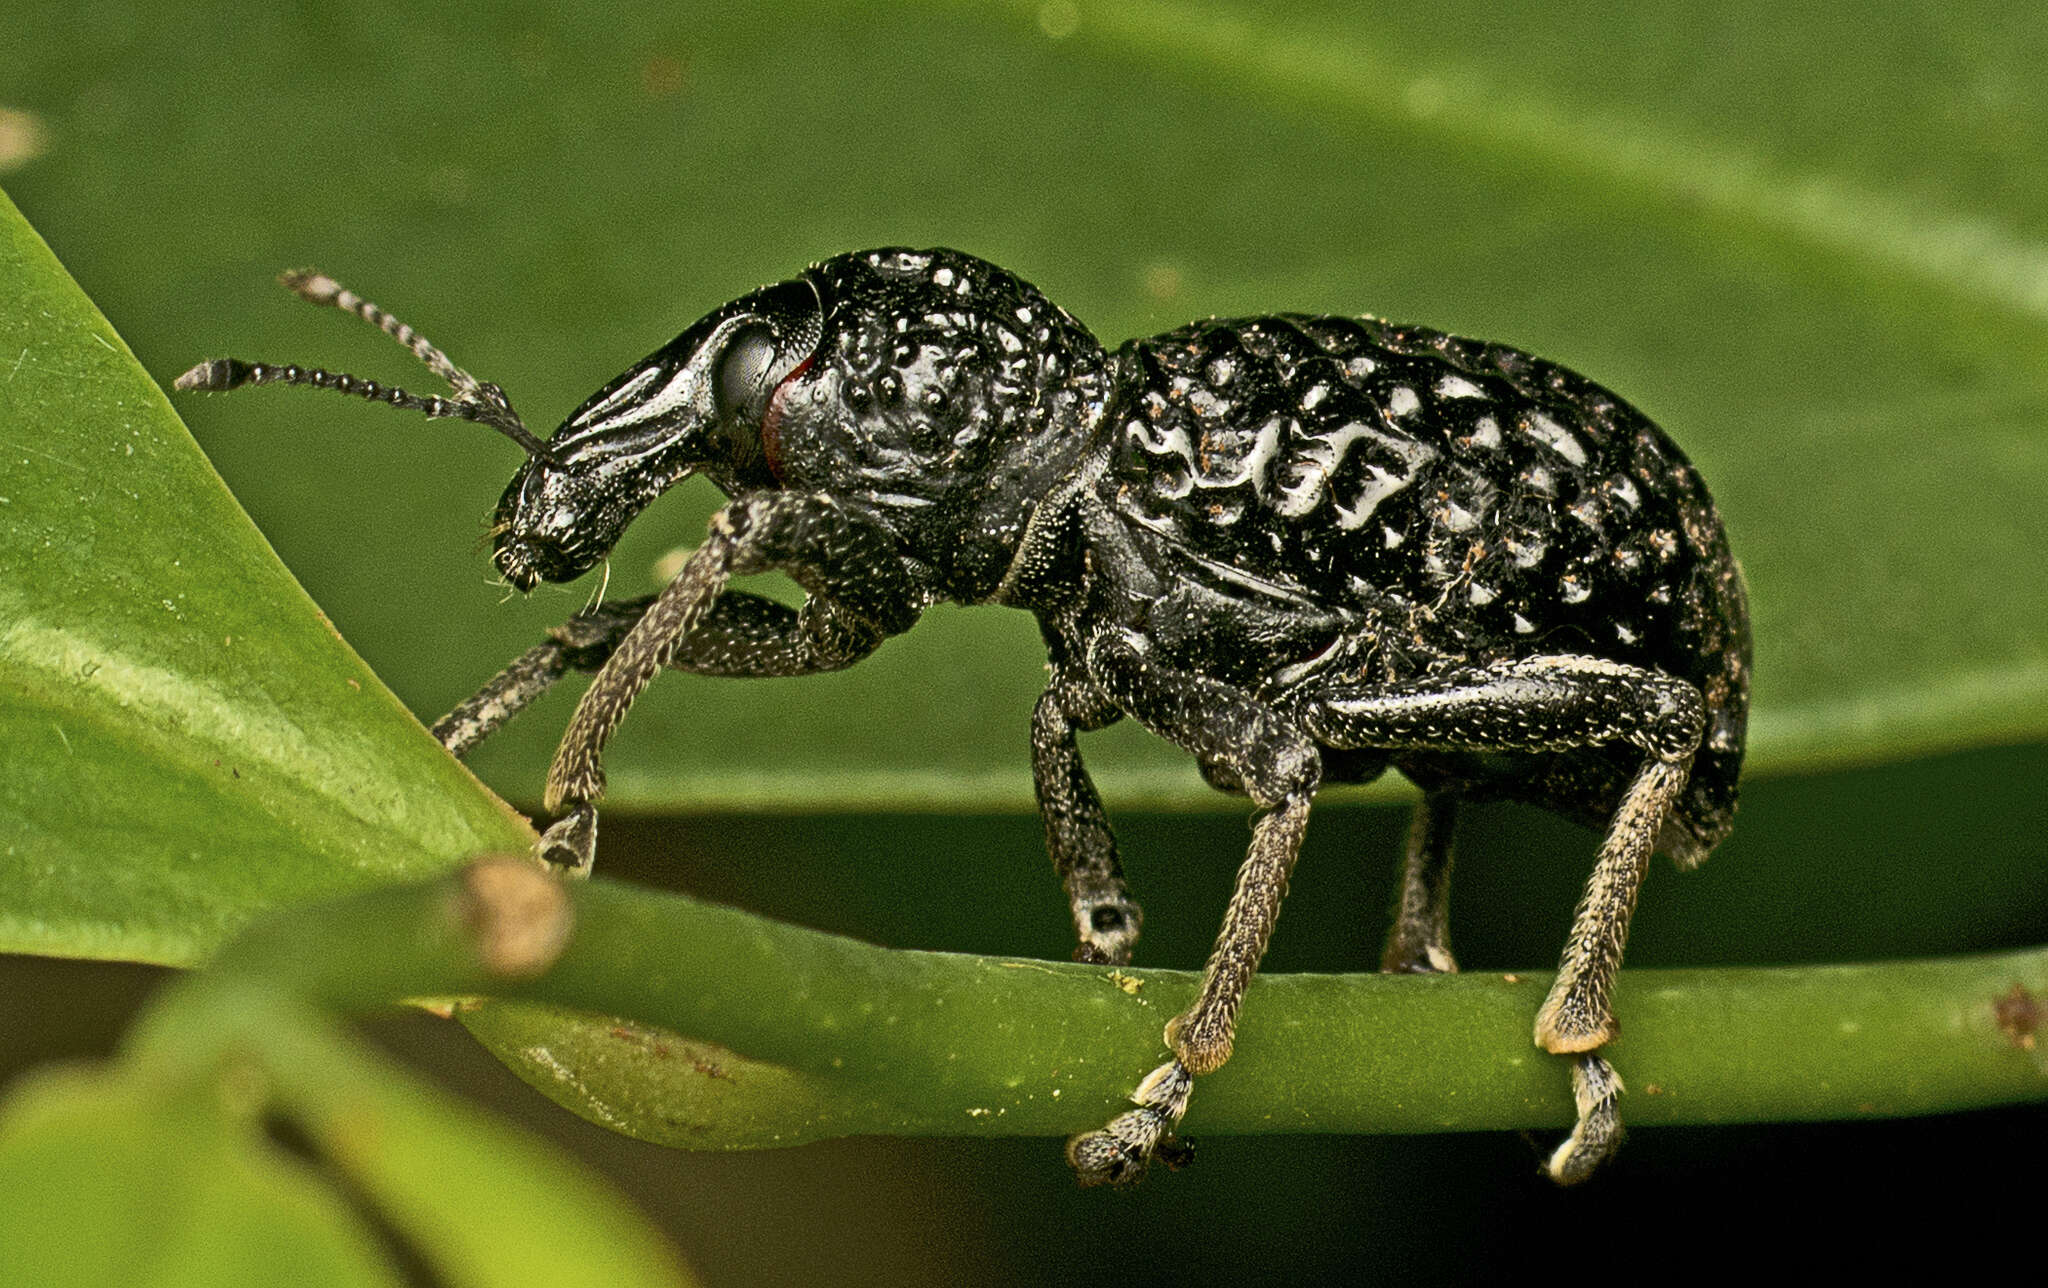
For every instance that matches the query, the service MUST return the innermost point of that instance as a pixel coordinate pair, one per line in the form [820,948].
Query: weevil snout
[527,561]
[693,405]
[556,522]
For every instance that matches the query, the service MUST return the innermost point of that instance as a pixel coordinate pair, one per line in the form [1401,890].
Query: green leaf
[159,1171]
[489,1207]
[101,1183]
[1810,244]
[188,741]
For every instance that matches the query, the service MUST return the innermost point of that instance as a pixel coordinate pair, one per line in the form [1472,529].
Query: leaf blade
[189,741]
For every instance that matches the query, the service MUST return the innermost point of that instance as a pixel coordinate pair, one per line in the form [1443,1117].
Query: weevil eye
[751,368]
[783,324]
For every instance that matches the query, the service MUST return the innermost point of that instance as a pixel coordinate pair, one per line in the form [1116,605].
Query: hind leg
[1420,941]
[1551,704]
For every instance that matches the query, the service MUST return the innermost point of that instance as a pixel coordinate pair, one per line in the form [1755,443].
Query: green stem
[867,1040]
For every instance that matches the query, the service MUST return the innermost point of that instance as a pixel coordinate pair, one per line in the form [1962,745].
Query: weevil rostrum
[1304,549]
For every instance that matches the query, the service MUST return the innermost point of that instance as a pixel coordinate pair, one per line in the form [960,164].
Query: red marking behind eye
[771,419]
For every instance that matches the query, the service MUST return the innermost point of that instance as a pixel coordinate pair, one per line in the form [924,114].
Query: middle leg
[1077,833]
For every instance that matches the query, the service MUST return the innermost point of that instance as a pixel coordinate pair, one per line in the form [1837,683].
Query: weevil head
[693,406]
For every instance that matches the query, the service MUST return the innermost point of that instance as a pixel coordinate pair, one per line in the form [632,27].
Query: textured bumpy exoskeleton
[1305,549]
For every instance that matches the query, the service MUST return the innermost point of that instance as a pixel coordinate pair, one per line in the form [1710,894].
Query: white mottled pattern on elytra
[1170,440]
[1556,437]
[1458,387]
[1457,518]
[1381,485]
[1314,462]
[1526,556]
[1259,461]
[1254,466]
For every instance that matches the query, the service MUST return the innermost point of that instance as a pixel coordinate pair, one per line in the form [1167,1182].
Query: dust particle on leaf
[2019,1015]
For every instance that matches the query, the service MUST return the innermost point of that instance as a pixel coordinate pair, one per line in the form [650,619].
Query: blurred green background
[1813,243]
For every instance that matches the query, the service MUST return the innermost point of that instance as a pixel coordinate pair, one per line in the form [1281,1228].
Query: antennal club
[475,400]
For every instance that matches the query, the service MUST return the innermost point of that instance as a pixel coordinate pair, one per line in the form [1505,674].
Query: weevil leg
[1578,1015]
[505,695]
[580,644]
[743,636]
[1420,941]
[1077,832]
[1201,1038]
[1596,1091]
[1280,769]
[837,556]
[1554,704]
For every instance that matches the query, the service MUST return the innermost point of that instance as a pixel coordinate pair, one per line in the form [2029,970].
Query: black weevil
[1305,549]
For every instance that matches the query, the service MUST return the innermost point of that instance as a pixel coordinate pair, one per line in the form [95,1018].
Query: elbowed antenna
[475,400]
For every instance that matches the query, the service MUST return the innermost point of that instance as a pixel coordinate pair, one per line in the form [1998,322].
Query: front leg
[743,636]
[821,546]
